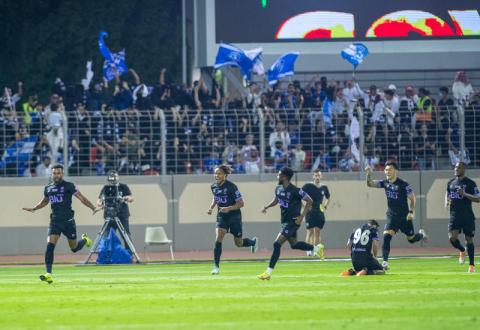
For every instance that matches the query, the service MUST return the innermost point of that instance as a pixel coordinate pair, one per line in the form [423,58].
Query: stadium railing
[255,141]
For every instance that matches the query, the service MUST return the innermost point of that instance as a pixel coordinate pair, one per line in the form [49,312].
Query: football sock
[302,246]
[217,252]
[275,255]
[415,238]
[248,242]
[49,257]
[456,244]
[386,246]
[471,253]
[80,245]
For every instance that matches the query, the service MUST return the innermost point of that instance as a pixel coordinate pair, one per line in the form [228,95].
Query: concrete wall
[180,203]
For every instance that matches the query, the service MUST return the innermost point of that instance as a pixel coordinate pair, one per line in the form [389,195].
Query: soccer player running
[363,245]
[401,207]
[59,194]
[461,192]
[315,219]
[228,200]
[289,197]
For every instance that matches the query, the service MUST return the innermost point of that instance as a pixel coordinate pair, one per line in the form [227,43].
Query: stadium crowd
[117,125]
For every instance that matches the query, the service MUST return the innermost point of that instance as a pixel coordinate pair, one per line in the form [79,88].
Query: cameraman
[116,194]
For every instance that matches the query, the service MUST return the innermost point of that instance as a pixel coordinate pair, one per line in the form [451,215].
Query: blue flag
[355,53]
[19,153]
[282,67]
[112,60]
[229,55]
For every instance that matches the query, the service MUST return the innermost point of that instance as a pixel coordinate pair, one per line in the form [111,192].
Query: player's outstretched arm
[411,205]
[41,204]
[370,182]
[271,204]
[308,205]
[87,203]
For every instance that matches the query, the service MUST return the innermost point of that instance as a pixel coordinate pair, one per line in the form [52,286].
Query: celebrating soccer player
[316,216]
[59,195]
[363,245]
[290,199]
[228,199]
[461,192]
[401,207]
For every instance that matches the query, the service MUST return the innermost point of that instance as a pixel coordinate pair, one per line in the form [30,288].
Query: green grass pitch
[416,294]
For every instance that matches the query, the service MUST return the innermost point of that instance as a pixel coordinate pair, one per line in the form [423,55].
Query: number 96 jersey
[362,239]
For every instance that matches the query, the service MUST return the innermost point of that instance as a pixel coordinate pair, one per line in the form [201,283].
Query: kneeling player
[363,244]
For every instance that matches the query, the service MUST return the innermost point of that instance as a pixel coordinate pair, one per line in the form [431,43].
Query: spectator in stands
[408,107]
[56,142]
[250,156]
[9,100]
[425,149]
[44,169]
[280,155]
[281,135]
[392,106]
[298,157]
[424,108]
[462,89]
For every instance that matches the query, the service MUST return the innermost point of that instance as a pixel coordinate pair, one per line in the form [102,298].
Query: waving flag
[256,56]
[112,60]
[19,153]
[282,67]
[229,55]
[355,53]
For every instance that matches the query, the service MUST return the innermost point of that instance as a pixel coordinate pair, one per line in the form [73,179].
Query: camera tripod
[123,233]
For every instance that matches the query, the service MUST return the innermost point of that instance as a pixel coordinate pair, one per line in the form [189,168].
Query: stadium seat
[157,236]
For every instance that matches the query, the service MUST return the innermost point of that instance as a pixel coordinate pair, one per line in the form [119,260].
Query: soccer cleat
[47,277]
[309,253]
[363,272]
[216,271]
[88,241]
[385,265]
[461,258]
[471,269]
[348,272]
[264,276]
[425,236]
[320,251]
[254,247]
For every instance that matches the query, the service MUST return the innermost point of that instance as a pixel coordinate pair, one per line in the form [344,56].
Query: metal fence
[345,137]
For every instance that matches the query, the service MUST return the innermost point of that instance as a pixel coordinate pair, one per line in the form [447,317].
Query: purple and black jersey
[396,193]
[60,198]
[226,195]
[460,205]
[317,194]
[290,201]
[362,239]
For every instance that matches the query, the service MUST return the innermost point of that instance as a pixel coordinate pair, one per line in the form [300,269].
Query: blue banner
[113,61]
[355,53]
[19,153]
[229,55]
[282,67]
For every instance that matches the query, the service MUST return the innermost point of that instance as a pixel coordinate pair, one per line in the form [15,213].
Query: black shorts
[396,223]
[289,230]
[232,224]
[465,224]
[361,260]
[123,221]
[315,219]
[65,227]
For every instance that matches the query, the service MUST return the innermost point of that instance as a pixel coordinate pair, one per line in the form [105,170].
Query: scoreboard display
[277,21]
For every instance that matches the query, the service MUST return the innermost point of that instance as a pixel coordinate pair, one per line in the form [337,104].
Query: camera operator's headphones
[112,177]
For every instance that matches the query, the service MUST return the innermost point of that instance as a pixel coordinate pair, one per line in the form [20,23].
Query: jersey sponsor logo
[391,194]
[283,202]
[55,199]
[454,191]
